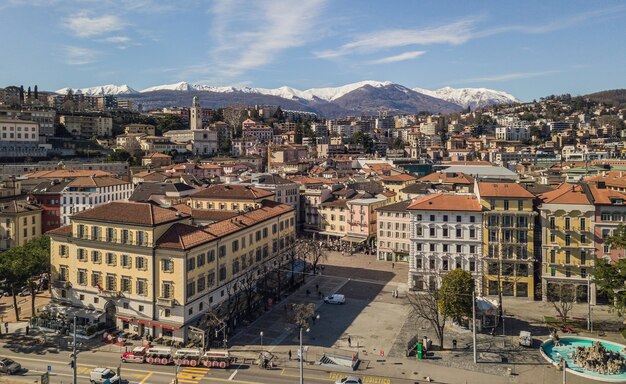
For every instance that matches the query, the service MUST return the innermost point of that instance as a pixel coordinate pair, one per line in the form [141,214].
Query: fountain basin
[567,346]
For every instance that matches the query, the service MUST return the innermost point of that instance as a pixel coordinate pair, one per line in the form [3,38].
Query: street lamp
[261,334]
[317,317]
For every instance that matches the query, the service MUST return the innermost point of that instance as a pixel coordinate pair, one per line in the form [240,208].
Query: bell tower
[195,114]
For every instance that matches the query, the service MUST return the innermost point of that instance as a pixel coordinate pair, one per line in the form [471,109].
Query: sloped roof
[233,192]
[605,195]
[66,174]
[184,236]
[503,189]
[399,178]
[445,202]
[143,191]
[49,187]
[98,182]
[448,177]
[566,194]
[397,207]
[130,213]
[17,206]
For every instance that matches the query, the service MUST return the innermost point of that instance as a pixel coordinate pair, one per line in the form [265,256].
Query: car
[349,380]
[335,299]
[9,366]
[103,375]
[24,292]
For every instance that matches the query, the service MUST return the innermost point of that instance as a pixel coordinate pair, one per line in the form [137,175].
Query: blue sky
[530,48]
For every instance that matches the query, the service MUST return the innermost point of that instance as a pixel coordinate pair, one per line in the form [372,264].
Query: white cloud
[249,35]
[117,39]
[508,77]
[454,33]
[79,56]
[85,26]
[401,57]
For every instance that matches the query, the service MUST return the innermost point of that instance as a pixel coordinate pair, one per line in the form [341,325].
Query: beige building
[230,197]
[19,223]
[394,232]
[15,130]
[148,270]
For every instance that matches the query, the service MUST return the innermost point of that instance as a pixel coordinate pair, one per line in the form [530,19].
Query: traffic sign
[49,368]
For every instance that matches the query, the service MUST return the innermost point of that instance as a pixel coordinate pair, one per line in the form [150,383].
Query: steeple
[195,114]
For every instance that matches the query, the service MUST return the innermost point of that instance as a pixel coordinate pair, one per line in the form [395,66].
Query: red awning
[146,322]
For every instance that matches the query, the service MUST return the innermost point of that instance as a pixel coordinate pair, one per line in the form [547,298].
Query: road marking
[366,379]
[233,375]
[191,375]
[146,378]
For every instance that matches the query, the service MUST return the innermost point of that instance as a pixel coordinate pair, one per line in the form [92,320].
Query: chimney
[601,185]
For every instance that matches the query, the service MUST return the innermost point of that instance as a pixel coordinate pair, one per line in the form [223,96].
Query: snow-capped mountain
[470,97]
[109,89]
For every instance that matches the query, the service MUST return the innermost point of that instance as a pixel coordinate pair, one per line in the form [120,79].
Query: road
[134,373]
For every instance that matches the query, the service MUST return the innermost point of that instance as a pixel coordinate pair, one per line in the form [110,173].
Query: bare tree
[425,306]
[563,296]
[248,282]
[311,251]
[234,116]
[302,313]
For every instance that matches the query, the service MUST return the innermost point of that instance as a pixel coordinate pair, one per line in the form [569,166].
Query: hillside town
[184,226]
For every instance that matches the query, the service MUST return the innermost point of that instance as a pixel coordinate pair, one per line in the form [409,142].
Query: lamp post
[74,353]
[589,320]
[474,323]
[301,357]
[261,334]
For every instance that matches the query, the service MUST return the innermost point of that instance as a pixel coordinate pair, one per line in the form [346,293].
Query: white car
[103,375]
[349,380]
[335,299]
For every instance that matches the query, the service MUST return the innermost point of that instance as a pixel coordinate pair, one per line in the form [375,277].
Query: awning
[354,239]
[147,322]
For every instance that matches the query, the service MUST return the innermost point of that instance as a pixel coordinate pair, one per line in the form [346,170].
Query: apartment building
[19,223]
[567,221]
[47,196]
[86,126]
[333,222]
[148,270]
[398,182]
[508,238]
[394,235]
[445,235]
[610,213]
[87,192]
[361,218]
[230,197]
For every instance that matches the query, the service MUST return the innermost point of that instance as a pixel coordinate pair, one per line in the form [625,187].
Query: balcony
[61,284]
[165,302]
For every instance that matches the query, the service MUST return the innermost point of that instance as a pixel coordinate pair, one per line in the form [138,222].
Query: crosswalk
[191,375]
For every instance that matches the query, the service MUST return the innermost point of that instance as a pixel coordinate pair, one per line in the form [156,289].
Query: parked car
[101,375]
[24,292]
[9,366]
[335,299]
[349,380]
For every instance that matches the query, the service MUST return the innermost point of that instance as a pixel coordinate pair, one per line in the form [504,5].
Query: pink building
[361,220]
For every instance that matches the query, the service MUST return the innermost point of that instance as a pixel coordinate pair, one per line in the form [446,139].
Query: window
[201,284]
[506,205]
[167,290]
[445,247]
[125,261]
[110,258]
[210,279]
[96,279]
[568,255]
[258,235]
[568,240]
[191,288]
[472,233]
[431,232]
[167,265]
[201,260]
[472,266]
[235,267]
[568,223]
[583,273]
[191,264]
[432,217]
[418,263]
[445,264]
[125,237]
[583,239]
[142,287]
[445,218]
[110,234]
[140,263]
[520,205]
[167,313]
[583,257]
[459,248]
[583,223]
[141,237]
[235,246]
[431,263]
[472,249]
[568,272]
[458,233]
[96,257]
[472,219]
[95,233]
[459,219]
[81,277]
[432,247]
[211,256]
[552,238]
[111,282]
[82,254]
[126,284]
[222,251]
[63,251]
[552,222]
[445,232]
[222,273]
[264,233]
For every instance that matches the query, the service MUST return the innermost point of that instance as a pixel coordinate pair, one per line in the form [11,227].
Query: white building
[394,232]
[88,192]
[446,234]
[202,141]
[512,133]
[15,130]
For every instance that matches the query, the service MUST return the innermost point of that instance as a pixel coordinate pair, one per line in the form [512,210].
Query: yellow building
[398,182]
[568,252]
[334,218]
[19,223]
[508,239]
[230,197]
[148,270]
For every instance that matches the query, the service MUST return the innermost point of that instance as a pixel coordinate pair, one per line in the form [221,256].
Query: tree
[234,116]
[425,306]
[609,279]
[302,313]
[618,239]
[36,93]
[397,144]
[455,299]
[310,250]
[563,296]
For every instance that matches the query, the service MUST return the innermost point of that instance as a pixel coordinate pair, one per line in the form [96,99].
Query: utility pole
[301,359]
[474,323]
[74,352]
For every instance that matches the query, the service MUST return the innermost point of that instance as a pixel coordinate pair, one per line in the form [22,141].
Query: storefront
[147,328]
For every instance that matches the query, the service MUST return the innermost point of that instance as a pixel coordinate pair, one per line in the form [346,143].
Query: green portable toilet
[420,351]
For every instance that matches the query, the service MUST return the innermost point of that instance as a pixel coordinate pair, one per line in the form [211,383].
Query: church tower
[195,118]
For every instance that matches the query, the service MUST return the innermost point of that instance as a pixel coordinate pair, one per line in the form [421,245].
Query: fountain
[598,359]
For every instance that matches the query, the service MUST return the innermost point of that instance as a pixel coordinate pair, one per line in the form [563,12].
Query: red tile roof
[130,213]
[399,177]
[448,177]
[445,202]
[566,194]
[98,182]
[503,189]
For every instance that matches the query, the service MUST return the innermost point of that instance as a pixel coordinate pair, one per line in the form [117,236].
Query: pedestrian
[317,287]
[27,329]
[6,327]
[289,354]
[349,341]
[393,265]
